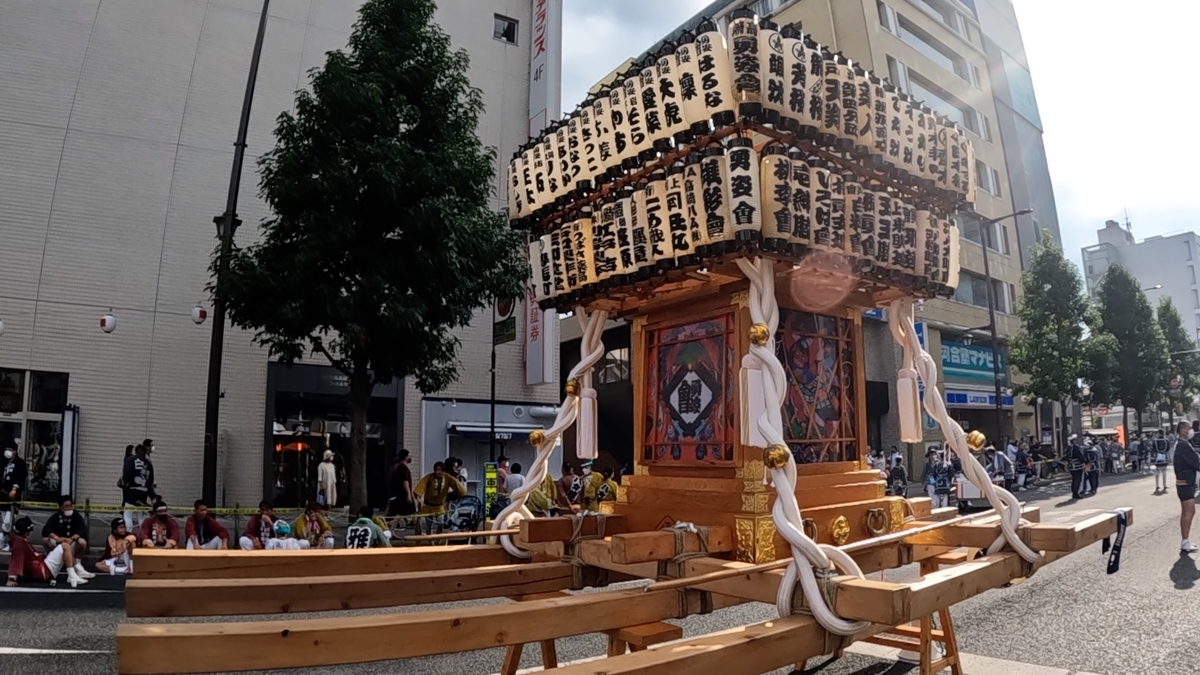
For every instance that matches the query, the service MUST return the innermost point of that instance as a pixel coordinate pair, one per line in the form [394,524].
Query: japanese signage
[970,361]
[545,65]
[504,329]
[491,481]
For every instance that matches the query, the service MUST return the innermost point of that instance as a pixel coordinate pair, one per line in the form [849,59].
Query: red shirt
[205,530]
[159,531]
[28,563]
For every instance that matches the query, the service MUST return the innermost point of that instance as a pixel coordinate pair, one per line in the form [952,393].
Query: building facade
[116,129]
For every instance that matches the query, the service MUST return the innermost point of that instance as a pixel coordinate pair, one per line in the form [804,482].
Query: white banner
[541,336]
[545,65]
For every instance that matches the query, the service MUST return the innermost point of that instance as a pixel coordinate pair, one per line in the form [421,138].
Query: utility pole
[492,397]
[227,224]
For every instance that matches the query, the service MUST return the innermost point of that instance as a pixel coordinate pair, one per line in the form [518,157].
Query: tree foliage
[1050,350]
[1184,362]
[382,238]
[1140,350]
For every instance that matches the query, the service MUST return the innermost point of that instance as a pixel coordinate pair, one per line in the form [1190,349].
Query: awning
[480,432]
[1100,432]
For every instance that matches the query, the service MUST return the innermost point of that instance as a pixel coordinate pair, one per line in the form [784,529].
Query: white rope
[786,513]
[1004,502]
[591,350]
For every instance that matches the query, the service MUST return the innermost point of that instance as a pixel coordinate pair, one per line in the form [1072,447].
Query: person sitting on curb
[203,531]
[27,564]
[259,529]
[160,531]
[66,527]
[283,539]
[312,528]
[116,558]
[365,532]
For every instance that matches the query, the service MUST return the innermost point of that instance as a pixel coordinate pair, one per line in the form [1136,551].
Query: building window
[31,410]
[898,74]
[887,18]
[614,367]
[935,50]
[947,105]
[942,13]
[987,178]
[505,29]
[764,7]
[1195,299]
[1188,245]
[1192,275]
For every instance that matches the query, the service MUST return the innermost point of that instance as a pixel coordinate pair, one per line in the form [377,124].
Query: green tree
[1184,361]
[1141,351]
[382,239]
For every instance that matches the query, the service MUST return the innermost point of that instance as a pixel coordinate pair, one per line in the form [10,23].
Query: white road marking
[17,651]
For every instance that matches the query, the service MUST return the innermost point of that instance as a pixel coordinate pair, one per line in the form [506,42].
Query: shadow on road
[1184,572]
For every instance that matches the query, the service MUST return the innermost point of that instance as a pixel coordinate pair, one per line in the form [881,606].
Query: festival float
[740,199]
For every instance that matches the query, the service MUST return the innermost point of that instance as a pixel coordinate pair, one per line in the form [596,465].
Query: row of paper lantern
[108,322]
[762,75]
[726,199]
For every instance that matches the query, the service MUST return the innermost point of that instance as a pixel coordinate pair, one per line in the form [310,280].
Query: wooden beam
[640,547]
[1067,538]
[540,530]
[177,564]
[218,597]
[150,649]
[975,534]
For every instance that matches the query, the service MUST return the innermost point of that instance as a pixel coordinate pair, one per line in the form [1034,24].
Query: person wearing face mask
[1187,464]
[161,530]
[66,527]
[12,482]
[137,480]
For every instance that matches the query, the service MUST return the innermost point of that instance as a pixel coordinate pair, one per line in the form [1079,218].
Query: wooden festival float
[740,201]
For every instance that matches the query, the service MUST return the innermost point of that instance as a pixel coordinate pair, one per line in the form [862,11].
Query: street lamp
[986,228]
[1155,287]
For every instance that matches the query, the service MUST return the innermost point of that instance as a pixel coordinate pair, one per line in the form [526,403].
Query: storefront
[969,374]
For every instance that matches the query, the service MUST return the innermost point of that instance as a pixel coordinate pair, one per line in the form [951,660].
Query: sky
[1103,70]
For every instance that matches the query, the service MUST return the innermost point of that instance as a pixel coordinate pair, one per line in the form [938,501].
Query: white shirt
[513,481]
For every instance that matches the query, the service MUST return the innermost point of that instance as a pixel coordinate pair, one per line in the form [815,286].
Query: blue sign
[975,399]
[970,361]
[877,314]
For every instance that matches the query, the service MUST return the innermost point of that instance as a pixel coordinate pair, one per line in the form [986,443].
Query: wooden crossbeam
[975,534]
[540,530]
[217,597]
[1046,537]
[149,649]
[640,547]
[177,564]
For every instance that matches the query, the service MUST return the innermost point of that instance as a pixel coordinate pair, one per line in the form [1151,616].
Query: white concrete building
[117,121]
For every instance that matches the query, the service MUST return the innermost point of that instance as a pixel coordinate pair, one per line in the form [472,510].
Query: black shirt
[138,476]
[12,474]
[1187,463]
[65,527]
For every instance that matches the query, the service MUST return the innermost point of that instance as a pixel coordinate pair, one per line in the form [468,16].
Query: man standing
[137,479]
[1092,476]
[203,531]
[65,527]
[1076,460]
[1187,463]
[401,501]
[12,483]
[1161,459]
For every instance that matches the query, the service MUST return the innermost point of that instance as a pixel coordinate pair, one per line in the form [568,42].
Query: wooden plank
[149,649]
[640,547]
[1067,538]
[539,530]
[921,507]
[217,597]
[183,564]
[976,534]
[647,634]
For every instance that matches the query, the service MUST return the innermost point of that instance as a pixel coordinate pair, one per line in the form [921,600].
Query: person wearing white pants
[312,528]
[203,531]
[116,558]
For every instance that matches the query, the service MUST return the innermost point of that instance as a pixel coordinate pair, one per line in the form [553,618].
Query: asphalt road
[1070,616]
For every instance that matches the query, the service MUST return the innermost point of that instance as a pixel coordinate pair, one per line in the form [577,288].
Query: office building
[117,121]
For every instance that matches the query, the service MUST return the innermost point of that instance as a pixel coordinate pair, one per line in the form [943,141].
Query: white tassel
[585,426]
[753,403]
[908,401]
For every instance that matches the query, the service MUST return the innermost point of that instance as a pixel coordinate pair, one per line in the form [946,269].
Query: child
[29,565]
[116,558]
[283,540]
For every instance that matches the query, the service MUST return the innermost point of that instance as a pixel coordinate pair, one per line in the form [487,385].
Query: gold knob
[839,530]
[976,440]
[572,387]
[776,456]
[759,334]
[537,437]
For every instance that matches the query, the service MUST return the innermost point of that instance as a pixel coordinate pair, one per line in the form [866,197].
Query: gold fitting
[776,456]
[537,437]
[839,530]
[572,387]
[759,334]
[976,440]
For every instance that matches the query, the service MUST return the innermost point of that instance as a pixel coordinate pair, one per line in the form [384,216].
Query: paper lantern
[693,203]
[623,149]
[864,93]
[879,120]
[199,314]
[608,159]
[745,204]
[929,247]
[775,179]
[536,278]
[716,74]
[562,149]
[950,254]
[553,172]
[837,210]
[581,235]
[802,203]
[658,228]
[954,163]
[867,210]
[633,212]
[904,237]
[853,191]
[636,112]
[576,164]
[108,322]
[718,221]
[970,171]
[515,197]
[831,101]
[607,265]
[691,96]
[771,65]
[924,120]
[883,229]
[746,69]
[796,115]
[908,137]
[652,114]
[670,105]
[818,176]
[895,128]
[542,171]
[849,137]
[557,263]
[679,235]
[567,244]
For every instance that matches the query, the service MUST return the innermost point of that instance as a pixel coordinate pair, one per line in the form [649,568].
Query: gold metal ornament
[537,437]
[759,334]
[572,387]
[976,440]
[776,456]
[839,530]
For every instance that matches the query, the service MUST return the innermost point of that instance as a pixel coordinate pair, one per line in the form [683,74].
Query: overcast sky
[1108,146]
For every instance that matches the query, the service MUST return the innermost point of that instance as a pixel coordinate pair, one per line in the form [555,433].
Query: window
[948,106]
[31,410]
[765,7]
[505,29]
[1020,89]
[942,13]
[1188,246]
[973,290]
[898,74]
[614,367]
[987,178]
[1195,299]
[1003,239]
[888,19]
[936,51]
[1192,275]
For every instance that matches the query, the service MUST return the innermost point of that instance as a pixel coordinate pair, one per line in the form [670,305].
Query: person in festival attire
[435,489]
[591,482]
[283,539]
[117,549]
[899,478]
[570,488]
[66,527]
[606,490]
[203,531]
[402,503]
[137,484]
[543,500]
[1076,464]
[943,481]
[260,528]
[161,530]
[1092,472]
[1161,459]
[366,532]
[1187,465]
[929,473]
[312,528]
[26,564]
[13,474]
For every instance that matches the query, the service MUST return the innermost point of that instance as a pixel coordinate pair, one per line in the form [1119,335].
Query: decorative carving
[896,515]
[740,298]
[876,521]
[641,470]
[622,494]
[764,549]
[757,502]
[744,550]
[754,470]
[839,530]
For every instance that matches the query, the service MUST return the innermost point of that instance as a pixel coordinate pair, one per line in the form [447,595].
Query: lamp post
[227,223]
[986,228]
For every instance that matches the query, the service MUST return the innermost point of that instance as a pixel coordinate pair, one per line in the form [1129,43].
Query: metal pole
[991,304]
[492,399]
[227,224]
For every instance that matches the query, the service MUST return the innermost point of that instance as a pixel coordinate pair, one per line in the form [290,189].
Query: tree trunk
[1125,416]
[356,473]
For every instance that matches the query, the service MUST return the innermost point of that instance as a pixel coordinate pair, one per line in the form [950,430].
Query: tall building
[117,121]
[1164,265]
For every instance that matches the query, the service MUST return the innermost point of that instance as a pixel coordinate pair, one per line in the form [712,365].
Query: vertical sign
[504,327]
[491,480]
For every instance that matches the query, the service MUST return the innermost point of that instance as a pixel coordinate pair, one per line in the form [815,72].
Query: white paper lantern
[633,212]
[540,173]
[567,242]
[818,176]
[744,59]
[607,158]
[562,146]
[745,202]
[558,277]
[867,210]
[693,202]
[718,221]
[108,322]
[655,217]
[879,120]
[648,96]
[581,239]
[883,229]
[624,150]
[837,211]
[775,180]
[831,102]
[716,74]
[865,97]
[679,233]
[849,137]
[951,262]
[929,244]
[575,162]
[802,203]
[771,64]
[853,191]
[199,314]
[515,197]
[955,165]
[924,121]
[670,105]
[796,116]
[590,169]
[894,127]
[536,271]
[970,171]
[691,96]
[908,136]
[904,238]
[550,155]
[606,254]
[641,144]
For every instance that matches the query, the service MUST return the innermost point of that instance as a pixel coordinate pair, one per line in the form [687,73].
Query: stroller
[464,514]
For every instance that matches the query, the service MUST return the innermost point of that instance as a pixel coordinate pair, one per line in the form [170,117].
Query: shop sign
[491,481]
[970,361]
